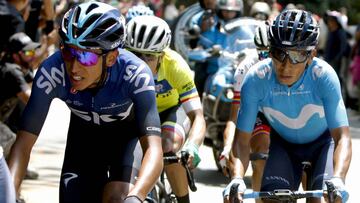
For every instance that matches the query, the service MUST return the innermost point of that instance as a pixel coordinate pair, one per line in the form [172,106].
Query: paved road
[48,154]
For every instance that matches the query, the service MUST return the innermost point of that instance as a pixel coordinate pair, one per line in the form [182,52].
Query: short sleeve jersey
[174,82]
[300,113]
[128,94]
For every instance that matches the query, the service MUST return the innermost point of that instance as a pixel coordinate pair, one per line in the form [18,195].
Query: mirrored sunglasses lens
[87,58]
[278,54]
[297,56]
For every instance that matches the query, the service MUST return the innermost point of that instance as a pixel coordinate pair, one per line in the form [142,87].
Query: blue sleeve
[142,89]
[330,93]
[250,98]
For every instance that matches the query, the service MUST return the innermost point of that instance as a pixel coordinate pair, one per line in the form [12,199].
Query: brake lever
[184,158]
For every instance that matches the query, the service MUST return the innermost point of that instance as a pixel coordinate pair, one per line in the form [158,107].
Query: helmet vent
[91,7]
[150,36]
[158,41]
[118,34]
[141,36]
[101,28]
[91,20]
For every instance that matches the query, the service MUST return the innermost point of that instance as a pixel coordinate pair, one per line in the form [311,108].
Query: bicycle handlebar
[284,194]
[183,159]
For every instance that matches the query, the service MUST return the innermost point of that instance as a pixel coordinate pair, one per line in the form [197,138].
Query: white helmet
[261,38]
[147,34]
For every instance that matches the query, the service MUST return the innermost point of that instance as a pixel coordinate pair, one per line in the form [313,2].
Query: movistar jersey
[174,83]
[300,113]
[128,94]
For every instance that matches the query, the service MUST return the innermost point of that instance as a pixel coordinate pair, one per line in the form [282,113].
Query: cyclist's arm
[239,75]
[189,98]
[19,157]
[147,118]
[151,166]
[230,127]
[197,130]
[240,153]
[342,152]
[330,91]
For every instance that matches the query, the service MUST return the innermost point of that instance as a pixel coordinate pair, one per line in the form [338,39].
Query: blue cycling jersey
[127,94]
[300,113]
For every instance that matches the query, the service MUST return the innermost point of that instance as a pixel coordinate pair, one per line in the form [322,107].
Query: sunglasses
[147,56]
[263,54]
[85,58]
[29,53]
[295,57]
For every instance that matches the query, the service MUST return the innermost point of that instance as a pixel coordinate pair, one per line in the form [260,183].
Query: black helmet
[294,29]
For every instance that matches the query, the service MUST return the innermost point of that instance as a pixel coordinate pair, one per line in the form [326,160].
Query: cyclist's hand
[224,161]
[193,150]
[240,189]
[340,187]
[132,199]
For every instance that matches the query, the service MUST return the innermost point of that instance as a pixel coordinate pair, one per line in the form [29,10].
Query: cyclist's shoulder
[321,70]
[262,70]
[174,62]
[128,64]
[126,58]
[54,61]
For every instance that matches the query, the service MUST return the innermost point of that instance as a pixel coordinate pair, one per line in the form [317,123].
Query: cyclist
[111,96]
[300,97]
[260,135]
[7,190]
[215,39]
[177,99]
[138,10]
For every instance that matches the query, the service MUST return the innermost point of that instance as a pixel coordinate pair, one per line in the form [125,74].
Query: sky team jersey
[300,113]
[128,94]
[174,82]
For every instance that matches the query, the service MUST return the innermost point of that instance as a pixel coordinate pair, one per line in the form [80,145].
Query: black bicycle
[162,192]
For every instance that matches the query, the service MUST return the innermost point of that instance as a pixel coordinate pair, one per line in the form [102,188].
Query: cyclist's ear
[111,57]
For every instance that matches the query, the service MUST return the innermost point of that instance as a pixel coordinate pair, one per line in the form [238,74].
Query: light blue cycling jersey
[300,113]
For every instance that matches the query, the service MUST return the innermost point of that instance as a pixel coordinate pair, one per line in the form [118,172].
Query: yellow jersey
[174,83]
